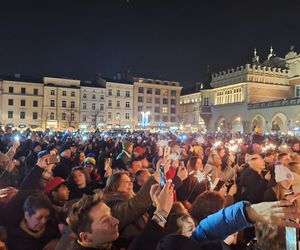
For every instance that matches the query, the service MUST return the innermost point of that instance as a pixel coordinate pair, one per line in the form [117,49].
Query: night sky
[173,40]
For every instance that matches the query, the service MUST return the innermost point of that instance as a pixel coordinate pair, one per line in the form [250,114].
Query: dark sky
[171,39]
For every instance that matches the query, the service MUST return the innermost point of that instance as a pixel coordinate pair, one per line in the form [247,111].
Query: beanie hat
[53,184]
[282,173]
[64,147]
[89,160]
[139,150]
[35,144]
[90,155]
[43,153]
[126,145]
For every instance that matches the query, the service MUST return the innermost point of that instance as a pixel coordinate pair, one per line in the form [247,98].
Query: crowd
[142,190]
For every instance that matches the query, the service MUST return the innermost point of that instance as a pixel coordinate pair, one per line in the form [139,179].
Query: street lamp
[145,119]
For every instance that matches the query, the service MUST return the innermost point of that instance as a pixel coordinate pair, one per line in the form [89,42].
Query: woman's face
[188,227]
[218,160]
[81,157]
[199,165]
[125,185]
[79,178]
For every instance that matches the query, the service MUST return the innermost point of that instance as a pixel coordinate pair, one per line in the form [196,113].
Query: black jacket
[63,168]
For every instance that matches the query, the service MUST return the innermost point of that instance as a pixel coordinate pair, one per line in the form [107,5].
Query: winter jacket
[63,169]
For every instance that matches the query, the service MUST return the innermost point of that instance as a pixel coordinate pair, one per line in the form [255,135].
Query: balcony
[274,104]
[206,109]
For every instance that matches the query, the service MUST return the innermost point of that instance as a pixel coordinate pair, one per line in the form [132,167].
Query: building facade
[21,102]
[156,103]
[92,106]
[119,105]
[190,112]
[61,103]
[264,95]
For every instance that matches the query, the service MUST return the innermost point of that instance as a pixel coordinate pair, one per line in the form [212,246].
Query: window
[165,101]
[157,91]
[52,103]
[93,119]
[173,101]
[22,115]
[149,99]
[101,106]
[118,92]
[173,110]
[118,116]
[64,93]
[165,110]
[109,103]
[35,91]
[141,90]
[64,104]
[165,119]
[157,109]
[127,104]
[72,104]
[84,96]
[84,118]
[157,118]
[297,91]
[10,102]
[173,119]
[52,92]
[23,90]
[109,92]
[34,116]
[127,116]
[84,105]
[109,116]
[118,104]
[127,93]
[73,93]
[93,106]
[72,117]
[140,108]
[63,116]
[140,99]
[205,101]
[10,114]
[173,92]
[101,97]
[35,103]
[157,100]
[93,96]
[149,91]
[11,90]
[23,103]
[165,92]
[51,116]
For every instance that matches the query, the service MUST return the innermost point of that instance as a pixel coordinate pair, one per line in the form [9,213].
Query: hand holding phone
[162,175]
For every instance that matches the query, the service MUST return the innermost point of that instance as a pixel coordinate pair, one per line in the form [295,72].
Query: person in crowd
[140,178]
[64,167]
[295,146]
[31,159]
[180,224]
[80,183]
[284,179]
[133,166]
[90,165]
[284,158]
[126,154]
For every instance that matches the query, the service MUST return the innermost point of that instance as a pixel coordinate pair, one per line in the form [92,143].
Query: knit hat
[90,155]
[90,161]
[35,144]
[139,150]
[53,184]
[126,144]
[282,173]
[64,147]
[43,153]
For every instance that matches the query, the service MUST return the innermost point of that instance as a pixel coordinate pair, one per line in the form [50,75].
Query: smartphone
[53,159]
[162,176]
[291,238]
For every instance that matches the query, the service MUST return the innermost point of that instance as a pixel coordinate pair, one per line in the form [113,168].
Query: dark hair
[175,223]
[35,202]
[79,219]
[205,204]
[193,161]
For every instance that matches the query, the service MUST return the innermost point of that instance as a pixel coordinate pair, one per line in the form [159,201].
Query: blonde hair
[294,166]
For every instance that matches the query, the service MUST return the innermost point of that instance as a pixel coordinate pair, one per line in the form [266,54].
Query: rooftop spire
[255,59]
[271,53]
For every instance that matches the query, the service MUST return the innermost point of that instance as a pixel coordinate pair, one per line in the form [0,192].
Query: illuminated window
[165,110]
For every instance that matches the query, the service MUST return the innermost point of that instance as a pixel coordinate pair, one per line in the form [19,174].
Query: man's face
[296,147]
[37,149]
[73,149]
[135,166]
[270,160]
[143,178]
[130,149]
[37,221]
[66,153]
[104,228]
[257,162]
[62,193]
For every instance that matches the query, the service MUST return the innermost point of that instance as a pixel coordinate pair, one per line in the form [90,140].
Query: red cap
[139,150]
[54,183]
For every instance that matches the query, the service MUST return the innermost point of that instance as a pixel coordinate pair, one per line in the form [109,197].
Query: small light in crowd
[17,138]
[84,138]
